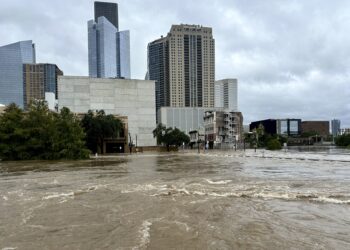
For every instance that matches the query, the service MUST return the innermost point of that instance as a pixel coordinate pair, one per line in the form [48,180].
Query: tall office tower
[123,59]
[39,79]
[109,48]
[191,66]
[12,58]
[158,70]
[102,48]
[226,94]
[108,10]
[190,69]
[335,127]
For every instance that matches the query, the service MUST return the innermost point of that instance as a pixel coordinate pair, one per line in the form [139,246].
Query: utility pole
[130,144]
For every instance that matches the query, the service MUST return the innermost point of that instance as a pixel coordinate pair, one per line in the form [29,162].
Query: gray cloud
[290,57]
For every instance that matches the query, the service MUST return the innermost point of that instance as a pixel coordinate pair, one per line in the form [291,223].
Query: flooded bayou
[184,200]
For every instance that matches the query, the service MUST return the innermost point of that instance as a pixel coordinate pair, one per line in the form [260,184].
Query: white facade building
[344,131]
[132,98]
[186,118]
[226,94]
[51,100]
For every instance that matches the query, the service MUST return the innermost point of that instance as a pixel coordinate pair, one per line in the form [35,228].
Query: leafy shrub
[343,140]
[274,144]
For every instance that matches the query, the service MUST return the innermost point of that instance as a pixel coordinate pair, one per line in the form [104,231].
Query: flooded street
[218,200]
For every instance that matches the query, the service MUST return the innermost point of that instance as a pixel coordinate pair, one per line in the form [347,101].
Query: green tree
[13,136]
[174,137]
[98,127]
[343,140]
[159,132]
[39,122]
[259,134]
[70,137]
[274,144]
[40,134]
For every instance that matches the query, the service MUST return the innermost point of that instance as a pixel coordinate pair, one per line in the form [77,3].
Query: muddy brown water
[175,201]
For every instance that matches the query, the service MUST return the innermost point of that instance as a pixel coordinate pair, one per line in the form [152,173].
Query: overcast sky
[291,58]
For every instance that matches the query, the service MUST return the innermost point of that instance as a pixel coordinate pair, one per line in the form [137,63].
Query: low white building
[132,98]
[344,131]
[184,118]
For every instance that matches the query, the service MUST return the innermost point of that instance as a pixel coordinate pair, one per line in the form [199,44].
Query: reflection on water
[218,200]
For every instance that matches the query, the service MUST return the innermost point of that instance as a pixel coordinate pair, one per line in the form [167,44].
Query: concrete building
[223,129]
[197,137]
[109,48]
[186,118]
[344,131]
[131,98]
[335,124]
[188,69]
[226,94]
[12,58]
[39,79]
[319,127]
[52,101]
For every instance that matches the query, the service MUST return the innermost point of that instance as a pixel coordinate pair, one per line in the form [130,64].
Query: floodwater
[184,200]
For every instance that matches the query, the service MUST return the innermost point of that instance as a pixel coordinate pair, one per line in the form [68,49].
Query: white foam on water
[283,196]
[96,187]
[182,224]
[58,195]
[199,193]
[9,248]
[182,191]
[314,156]
[144,232]
[227,194]
[28,214]
[5,198]
[218,182]
[198,201]
[330,200]
[143,188]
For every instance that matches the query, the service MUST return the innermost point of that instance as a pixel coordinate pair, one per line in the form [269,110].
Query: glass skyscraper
[102,48]
[123,59]
[109,48]
[12,58]
[157,56]
[108,10]
[335,127]
[39,79]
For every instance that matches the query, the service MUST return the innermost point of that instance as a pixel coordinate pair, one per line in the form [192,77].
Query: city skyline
[289,58]
[108,46]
